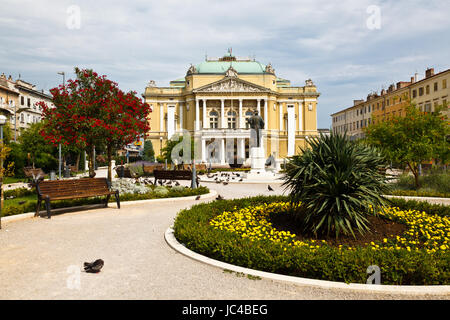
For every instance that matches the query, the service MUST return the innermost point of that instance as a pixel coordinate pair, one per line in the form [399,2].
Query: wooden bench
[148,169]
[173,175]
[72,189]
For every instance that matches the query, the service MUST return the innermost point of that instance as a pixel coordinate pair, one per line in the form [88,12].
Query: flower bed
[246,236]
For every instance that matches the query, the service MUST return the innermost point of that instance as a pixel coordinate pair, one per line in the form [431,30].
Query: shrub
[136,170]
[178,188]
[19,192]
[161,191]
[127,186]
[338,182]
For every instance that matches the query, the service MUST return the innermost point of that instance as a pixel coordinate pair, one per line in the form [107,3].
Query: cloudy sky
[341,45]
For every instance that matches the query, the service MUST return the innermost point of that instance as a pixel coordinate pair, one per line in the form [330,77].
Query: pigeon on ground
[197,198]
[94,267]
[270,188]
[177,183]
[241,179]
[225,183]
[218,181]
[219,197]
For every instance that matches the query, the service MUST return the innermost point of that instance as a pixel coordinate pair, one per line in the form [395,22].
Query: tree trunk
[77,164]
[109,155]
[91,162]
[415,171]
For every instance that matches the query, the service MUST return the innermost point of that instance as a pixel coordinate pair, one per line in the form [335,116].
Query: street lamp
[62,73]
[2,123]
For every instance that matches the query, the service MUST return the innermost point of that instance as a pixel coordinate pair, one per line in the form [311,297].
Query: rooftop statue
[192,70]
[270,69]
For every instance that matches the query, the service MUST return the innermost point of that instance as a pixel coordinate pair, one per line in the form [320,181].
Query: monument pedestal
[258,160]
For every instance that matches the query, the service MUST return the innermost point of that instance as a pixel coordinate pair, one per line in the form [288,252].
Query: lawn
[433,184]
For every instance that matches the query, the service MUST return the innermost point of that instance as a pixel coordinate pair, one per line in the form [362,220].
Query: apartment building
[427,93]
[18,102]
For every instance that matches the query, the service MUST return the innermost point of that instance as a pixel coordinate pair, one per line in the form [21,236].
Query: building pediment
[231,84]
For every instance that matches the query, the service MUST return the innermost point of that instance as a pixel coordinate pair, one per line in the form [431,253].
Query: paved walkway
[41,259]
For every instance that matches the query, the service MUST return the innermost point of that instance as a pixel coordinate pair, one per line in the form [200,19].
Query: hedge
[399,267]
[30,206]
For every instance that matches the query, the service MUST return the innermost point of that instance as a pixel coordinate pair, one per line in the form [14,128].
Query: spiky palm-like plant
[337,182]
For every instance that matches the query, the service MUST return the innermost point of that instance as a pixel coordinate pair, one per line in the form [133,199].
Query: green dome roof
[223,66]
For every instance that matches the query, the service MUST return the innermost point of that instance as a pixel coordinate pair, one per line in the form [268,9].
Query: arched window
[231,118]
[214,120]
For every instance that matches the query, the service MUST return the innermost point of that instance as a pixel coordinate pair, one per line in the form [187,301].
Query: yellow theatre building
[217,96]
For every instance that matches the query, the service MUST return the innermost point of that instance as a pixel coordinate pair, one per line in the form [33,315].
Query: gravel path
[41,259]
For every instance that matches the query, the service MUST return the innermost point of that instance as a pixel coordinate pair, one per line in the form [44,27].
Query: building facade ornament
[270,69]
[152,83]
[309,83]
[231,73]
[191,70]
[231,85]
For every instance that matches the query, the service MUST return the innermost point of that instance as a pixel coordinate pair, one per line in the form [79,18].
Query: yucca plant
[338,182]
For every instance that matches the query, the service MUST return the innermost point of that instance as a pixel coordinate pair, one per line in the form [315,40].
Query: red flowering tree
[91,110]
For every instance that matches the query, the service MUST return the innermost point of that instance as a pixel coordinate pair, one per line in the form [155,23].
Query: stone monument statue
[256,123]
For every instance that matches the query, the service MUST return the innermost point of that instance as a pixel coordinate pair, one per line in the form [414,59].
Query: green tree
[148,153]
[412,139]
[39,152]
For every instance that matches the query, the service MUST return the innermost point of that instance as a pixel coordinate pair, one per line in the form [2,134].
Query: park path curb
[28,215]
[416,290]
[432,200]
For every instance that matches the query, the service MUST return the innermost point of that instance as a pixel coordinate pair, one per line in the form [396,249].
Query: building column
[161,117]
[203,150]
[222,151]
[300,116]
[291,130]
[170,121]
[258,106]
[222,114]
[204,114]
[280,105]
[180,117]
[266,119]
[241,149]
[197,114]
[241,116]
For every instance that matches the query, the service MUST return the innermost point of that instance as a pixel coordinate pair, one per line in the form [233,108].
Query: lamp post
[62,73]
[2,123]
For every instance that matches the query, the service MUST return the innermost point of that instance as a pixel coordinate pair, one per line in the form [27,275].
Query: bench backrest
[173,174]
[83,186]
[148,169]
